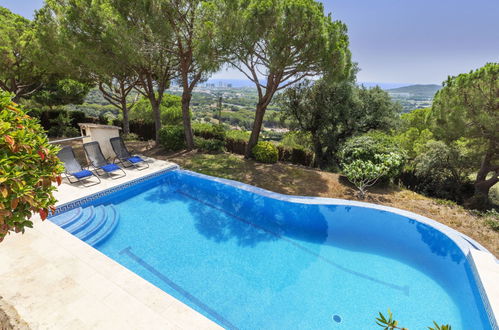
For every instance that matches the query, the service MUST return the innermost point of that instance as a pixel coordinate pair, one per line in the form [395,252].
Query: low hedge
[172,137]
[295,155]
[214,138]
[208,131]
[209,145]
[265,152]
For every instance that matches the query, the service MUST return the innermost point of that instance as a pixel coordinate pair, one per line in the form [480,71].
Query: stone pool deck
[56,281]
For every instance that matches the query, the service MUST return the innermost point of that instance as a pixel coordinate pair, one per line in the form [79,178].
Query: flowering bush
[265,152]
[28,166]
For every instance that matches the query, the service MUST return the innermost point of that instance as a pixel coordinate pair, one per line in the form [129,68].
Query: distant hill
[419,90]
[414,96]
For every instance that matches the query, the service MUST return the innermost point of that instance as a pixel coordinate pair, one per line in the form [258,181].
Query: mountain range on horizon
[391,87]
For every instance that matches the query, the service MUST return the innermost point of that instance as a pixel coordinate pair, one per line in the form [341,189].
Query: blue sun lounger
[125,157]
[72,168]
[99,162]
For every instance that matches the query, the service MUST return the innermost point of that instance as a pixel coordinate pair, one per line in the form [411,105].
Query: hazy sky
[400,41]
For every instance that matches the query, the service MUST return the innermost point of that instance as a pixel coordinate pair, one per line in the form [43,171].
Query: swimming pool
[248,258]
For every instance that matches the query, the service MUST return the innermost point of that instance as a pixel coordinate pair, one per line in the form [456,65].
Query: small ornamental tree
[28,166]
[365,173]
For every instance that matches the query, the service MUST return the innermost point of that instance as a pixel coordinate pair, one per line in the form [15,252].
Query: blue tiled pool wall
[396,236]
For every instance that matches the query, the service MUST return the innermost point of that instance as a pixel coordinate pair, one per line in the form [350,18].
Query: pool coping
[484,265]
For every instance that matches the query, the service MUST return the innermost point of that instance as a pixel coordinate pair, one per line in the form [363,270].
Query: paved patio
[55,281]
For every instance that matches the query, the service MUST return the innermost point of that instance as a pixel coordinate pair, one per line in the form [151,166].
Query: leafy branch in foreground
[390,324]
[28,167]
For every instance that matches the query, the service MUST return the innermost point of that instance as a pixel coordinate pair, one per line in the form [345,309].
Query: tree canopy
[62,92]
[171,110]
[332,111]
[468,107]
[19,72]
[279,42]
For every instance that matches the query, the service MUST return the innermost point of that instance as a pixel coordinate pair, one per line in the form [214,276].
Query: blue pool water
[250,261]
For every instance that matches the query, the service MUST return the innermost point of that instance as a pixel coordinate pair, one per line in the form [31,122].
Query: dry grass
[296,180]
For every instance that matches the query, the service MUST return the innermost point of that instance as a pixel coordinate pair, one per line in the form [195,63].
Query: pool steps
[67,218]
[90,224]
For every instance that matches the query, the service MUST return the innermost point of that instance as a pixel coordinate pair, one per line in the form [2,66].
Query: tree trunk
[482,185]
[257,127]
[186,119]
[16,98]
[317,145]
[157,118]
[126,122]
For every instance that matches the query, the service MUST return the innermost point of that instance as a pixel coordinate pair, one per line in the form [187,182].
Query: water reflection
[439,244]
[229,213]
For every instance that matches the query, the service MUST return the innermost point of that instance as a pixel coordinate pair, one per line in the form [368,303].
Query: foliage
[235,134]
[279,42]
[388,323]
[492,219]
[265,152]
[28,166]
[19,72]
[172,138]
[441,170]
[130,137]
[127,42]
[170,109]
[62,127]
[62,92]
[209,131]
[369,158]
[209,145]
[365,173]
[368,147]
[331,111]
[440,162]
[101,53]
[297,140]
[468,107]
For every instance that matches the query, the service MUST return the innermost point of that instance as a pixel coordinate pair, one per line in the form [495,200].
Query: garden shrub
[60,122]
[365,173]
[265,152]
[209,145]
[61,127]
[491,218]
[236,134]
[28,166]
[369,147]
[298,155]
[297,140]
[172,137]
[130,137]
[209,131]
[440,171]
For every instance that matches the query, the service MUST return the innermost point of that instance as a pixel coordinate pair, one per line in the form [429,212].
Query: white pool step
[91,224]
